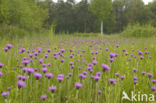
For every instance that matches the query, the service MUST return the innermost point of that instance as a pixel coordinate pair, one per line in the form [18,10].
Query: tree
[102,9]
[23,14]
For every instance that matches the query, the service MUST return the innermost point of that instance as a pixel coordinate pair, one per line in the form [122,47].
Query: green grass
[66,92]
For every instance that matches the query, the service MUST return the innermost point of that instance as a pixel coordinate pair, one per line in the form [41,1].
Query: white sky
[145,1]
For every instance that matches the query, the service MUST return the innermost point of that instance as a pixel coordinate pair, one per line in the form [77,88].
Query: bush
[12,31]
[139,31]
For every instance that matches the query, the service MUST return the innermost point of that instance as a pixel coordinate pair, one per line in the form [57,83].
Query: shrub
[138,30]
[12,31]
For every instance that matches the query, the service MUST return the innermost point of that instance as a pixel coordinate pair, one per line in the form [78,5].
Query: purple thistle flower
[30,70]
[126,53]
[134,70]
[39,50]
[97,78]
[82,76]
[89,68]
[78,60]
[25,62]
[20,84]
[122,77]
[1,65]
[71,56]
[60,79]
[52,89]
[44,70]
[112,55]
[105,67]
[23,78]
[71,63]
[19,77]
[143,73]
[129,59]
[48,50]
[153,81]
[123,50]
[117,74]
[22,50]
[36,53]
[70,74]
[78,85]
[62,60]
[111,59]
[135,81]
[98,73]
[107,49]
[46,55]
[9,88]
[90,65]
[94,62]
[24,70]
[5,94]
[135,78]
[41,61]
[9,46]
[62,50]
[84,73]
[37,75]
[5,49]
[112,81]
[150,75]
[44,97]
[99,91]
[117,45]
[93,58]
[141,57]
[60,75]
[49,75]
[44,65]
[153,88]
[30,55]
[140,53]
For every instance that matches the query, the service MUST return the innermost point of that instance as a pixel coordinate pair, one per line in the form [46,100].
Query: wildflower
[112,81]
[78,85]
[105,67]
[1,65]
[52,89]
[20,84]
[153,88]
[44,97]
[49,75]
[5,94]
[37,75]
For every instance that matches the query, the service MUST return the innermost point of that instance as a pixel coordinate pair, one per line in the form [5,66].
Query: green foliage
[70,17]
[101,8]
[24,14]
[139,31]
[12,31]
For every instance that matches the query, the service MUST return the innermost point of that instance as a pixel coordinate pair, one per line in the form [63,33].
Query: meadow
[77,69]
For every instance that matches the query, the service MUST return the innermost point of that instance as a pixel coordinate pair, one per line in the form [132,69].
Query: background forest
[26,17]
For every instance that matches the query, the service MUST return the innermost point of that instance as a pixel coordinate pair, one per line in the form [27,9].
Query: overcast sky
[146,1]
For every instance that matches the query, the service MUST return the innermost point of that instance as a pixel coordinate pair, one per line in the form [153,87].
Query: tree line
[69,17]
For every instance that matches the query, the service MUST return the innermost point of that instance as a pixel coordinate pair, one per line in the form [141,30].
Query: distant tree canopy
[22,13]
[70,17]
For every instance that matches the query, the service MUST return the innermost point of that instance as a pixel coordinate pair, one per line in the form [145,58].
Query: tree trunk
[101,27]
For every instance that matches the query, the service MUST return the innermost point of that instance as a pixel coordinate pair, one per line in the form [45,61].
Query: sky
[145,1]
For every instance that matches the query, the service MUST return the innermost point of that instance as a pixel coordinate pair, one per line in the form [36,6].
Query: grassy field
[94,69]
